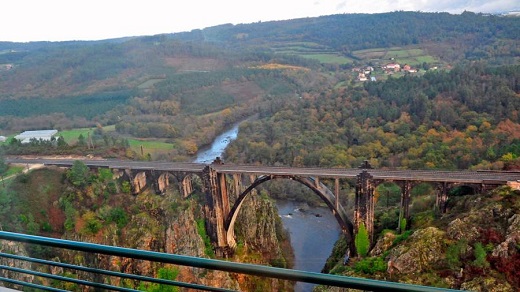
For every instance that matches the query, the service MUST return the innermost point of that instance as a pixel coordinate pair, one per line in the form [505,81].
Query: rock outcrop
[423,251]
[475,246]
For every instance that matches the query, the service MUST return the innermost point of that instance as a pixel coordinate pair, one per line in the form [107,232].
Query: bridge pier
[404,207]
[364,205]
[186,186]
[158,181]
[137,180]
[442,197]
[217,208]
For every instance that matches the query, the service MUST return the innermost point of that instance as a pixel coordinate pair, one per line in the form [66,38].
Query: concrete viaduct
[226,186]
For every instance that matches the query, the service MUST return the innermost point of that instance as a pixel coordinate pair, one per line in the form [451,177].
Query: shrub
[491,236]
[388,220]
[509,266]
[201,229]
[126,187]
[453,254]
[118,216]
[92,223]
[164,274]
[402,237]
[46,226]
[480,256]
[370,265]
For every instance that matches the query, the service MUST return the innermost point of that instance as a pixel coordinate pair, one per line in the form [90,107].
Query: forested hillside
[461,119]
[184,88]
[473,35]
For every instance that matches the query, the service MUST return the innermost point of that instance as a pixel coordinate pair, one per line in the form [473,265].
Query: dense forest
[464,118]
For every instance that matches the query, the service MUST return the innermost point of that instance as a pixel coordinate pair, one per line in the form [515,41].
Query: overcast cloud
[55,20]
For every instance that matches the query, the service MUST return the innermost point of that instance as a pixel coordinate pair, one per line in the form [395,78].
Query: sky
[61,20]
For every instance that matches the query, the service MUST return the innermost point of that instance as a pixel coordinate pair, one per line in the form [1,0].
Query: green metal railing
[211,264]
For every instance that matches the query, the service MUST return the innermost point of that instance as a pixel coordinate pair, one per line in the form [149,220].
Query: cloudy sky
[58,20]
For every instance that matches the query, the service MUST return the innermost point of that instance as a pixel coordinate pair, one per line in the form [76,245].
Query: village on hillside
[370,73]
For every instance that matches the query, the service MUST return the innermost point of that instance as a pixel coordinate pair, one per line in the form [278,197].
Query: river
[313,231]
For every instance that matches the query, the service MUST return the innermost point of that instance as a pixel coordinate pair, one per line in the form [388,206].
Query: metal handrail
[109,273]
[212,264]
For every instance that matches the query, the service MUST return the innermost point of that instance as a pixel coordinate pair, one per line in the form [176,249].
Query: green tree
[361,241]
[82,141]
[61,142]
[126,187]
[78,174]
[480,256]
[3,165]
[105,175]
[165,274]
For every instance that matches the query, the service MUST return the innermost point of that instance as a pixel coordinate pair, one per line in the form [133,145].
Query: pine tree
[361,241]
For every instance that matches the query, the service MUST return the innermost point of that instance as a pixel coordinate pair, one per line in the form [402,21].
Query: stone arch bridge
[226,186]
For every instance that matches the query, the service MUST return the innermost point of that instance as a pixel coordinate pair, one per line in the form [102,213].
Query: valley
[168,97]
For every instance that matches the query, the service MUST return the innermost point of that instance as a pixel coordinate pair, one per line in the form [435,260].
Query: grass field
[328,58]
[149,145]
[412,56]
[71,136]
[149,83]
[314,51]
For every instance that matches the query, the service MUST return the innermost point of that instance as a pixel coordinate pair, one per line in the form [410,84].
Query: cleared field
[314,51]
[71,136]
[149,83]
[411,56]
[328,58]
[149,146]
[370,53]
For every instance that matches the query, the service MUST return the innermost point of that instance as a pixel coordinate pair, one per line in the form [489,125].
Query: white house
[2,138]
[44,135]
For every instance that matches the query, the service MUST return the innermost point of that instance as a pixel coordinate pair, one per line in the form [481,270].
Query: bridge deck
[476,177]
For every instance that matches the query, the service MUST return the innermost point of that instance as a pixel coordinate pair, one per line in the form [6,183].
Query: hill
[187,87]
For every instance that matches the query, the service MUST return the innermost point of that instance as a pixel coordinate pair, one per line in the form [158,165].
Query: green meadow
[412,56]
[314,51]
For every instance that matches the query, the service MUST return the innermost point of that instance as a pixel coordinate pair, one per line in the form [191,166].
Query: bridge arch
[182,180]
[318,188]
[190,183]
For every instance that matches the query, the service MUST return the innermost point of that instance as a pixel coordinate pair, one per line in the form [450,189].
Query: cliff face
[260,237]
[168,224]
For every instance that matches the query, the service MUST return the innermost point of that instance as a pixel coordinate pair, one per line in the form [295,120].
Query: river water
[218,146]
[313,231]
